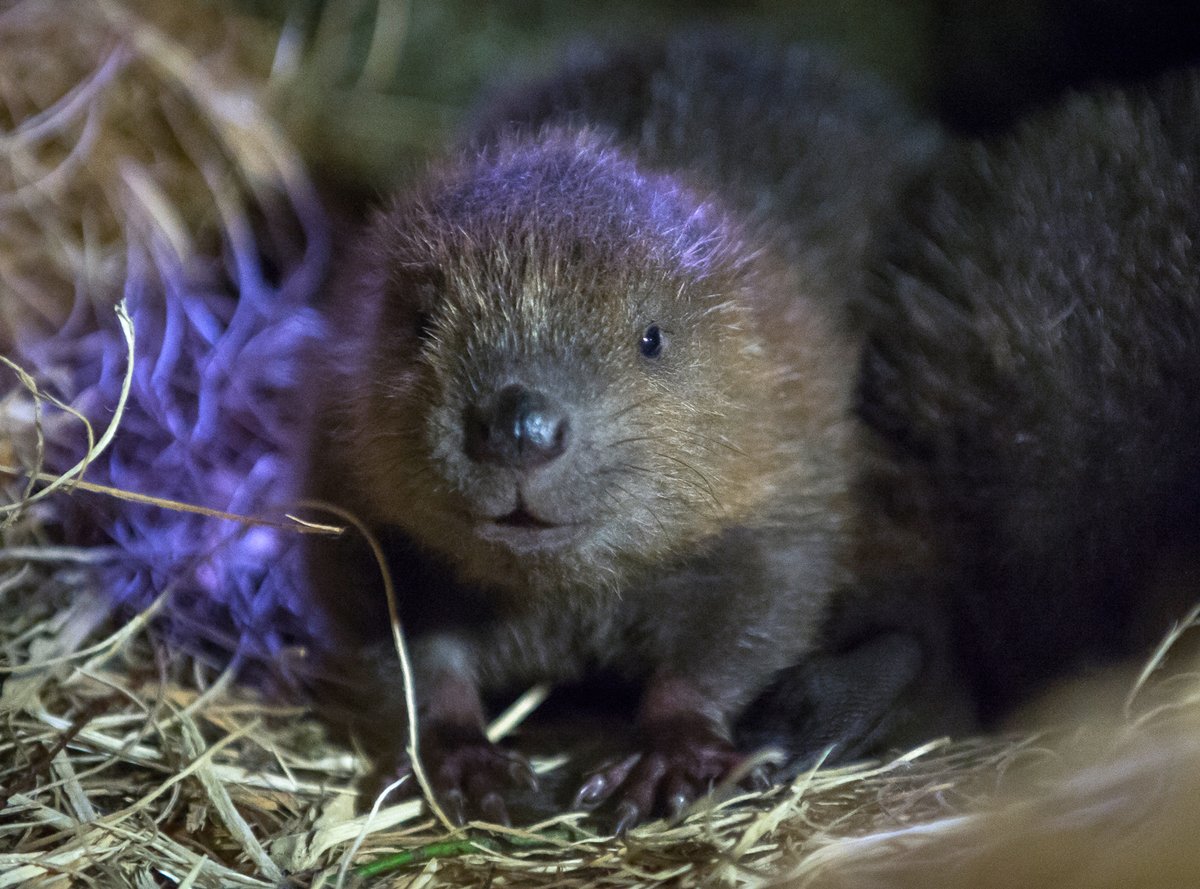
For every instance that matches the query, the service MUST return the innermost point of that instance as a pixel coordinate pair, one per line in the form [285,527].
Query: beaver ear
[413,297]
[428,287]
[427,283]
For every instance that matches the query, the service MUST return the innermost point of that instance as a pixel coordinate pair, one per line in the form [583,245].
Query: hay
[124,766]
[120,764]
[1114,804]
[136,161]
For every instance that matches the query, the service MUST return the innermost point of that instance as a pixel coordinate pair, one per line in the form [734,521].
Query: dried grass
[124,761]
[120,765]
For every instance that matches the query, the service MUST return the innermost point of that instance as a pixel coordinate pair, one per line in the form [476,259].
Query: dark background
[373,86]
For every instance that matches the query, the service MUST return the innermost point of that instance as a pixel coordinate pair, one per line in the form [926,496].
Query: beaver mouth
[523,518]
[522,531]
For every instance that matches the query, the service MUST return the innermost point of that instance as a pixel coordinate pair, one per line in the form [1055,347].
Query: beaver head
[559,380]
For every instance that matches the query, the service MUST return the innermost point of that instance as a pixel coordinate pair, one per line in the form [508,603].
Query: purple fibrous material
[215,418]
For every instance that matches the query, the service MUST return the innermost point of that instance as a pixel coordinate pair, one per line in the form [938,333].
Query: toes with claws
[469,775]
[678,767]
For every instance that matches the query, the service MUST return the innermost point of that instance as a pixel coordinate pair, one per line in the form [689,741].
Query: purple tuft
[216,419]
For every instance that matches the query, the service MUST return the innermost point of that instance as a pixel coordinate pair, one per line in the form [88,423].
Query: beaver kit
[590,386]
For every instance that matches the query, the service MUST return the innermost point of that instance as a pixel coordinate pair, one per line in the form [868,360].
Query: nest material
[134,164]
[122,765]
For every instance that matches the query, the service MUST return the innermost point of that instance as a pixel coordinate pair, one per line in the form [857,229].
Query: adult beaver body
[1031,372]
[590,385]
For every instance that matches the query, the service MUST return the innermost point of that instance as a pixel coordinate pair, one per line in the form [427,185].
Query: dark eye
[651,344]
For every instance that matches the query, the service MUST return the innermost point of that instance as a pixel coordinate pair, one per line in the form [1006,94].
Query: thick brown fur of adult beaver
[1031,372]
[589,384]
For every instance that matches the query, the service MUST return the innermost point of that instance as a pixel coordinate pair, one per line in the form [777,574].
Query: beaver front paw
[470,775]
[681,762]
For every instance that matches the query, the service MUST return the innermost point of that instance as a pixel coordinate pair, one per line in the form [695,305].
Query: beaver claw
[468,774]
[469,778]
[666,778]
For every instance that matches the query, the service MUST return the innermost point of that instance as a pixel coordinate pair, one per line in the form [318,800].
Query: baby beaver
[589,386]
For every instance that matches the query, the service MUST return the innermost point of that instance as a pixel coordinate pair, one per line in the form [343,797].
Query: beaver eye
[651,344]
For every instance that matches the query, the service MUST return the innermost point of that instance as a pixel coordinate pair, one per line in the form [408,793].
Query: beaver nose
[519,428]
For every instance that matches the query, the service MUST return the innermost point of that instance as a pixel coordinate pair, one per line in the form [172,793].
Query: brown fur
[701,506]
[745,429]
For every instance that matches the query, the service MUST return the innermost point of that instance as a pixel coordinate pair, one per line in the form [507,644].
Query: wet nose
[519,428]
